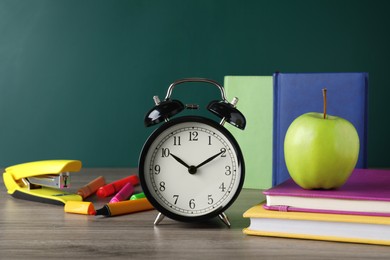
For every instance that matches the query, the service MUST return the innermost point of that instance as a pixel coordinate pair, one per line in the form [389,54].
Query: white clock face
[192,168]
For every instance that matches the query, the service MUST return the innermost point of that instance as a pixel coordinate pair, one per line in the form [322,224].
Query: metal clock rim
[156,133]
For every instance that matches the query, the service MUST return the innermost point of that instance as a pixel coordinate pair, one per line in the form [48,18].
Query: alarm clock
[191,168]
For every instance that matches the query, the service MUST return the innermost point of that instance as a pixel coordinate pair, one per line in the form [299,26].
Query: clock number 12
[193,136]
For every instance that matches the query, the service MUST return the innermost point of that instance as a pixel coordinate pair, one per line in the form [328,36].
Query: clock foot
[159,218]
[224,219]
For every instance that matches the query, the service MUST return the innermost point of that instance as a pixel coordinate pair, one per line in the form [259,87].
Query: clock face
[191,168]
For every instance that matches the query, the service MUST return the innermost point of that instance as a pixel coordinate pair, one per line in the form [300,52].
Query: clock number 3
[228,170]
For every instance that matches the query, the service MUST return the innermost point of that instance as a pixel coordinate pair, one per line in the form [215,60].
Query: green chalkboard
[77,77]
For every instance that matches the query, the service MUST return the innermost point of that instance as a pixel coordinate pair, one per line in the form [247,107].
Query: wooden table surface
[32,230]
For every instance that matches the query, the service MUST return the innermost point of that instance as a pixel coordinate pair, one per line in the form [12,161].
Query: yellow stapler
[42,181]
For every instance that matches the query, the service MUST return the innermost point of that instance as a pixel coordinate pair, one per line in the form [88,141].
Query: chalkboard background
[78,76]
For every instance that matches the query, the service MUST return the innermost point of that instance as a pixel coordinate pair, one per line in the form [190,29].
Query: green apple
[321,150]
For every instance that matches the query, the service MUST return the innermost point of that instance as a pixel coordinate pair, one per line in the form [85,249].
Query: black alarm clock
[191,168]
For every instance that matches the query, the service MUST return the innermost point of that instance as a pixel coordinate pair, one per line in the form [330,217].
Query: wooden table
[32,230]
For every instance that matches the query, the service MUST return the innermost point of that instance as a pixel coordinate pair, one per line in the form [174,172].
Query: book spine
[283,208]
[275,131]
[365,137]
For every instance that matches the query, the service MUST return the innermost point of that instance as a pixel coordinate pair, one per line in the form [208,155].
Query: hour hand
[180,161]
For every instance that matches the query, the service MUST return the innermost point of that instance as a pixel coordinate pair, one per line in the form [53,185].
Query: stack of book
[358,212]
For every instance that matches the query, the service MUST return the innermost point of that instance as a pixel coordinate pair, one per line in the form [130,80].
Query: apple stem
[324,96]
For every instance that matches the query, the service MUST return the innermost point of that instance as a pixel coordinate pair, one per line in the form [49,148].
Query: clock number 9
[157,169]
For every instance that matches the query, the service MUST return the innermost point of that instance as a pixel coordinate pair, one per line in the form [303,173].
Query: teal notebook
[255,94]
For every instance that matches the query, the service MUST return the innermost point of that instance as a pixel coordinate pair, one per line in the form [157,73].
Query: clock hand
[180,160]
[209,159]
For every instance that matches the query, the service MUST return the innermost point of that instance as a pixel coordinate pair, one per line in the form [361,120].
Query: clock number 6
[192,204]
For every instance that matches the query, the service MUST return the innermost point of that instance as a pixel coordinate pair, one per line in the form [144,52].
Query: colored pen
[123,194]
[115,186]
[80,207]
[91,187]
[124,207]
[137,196]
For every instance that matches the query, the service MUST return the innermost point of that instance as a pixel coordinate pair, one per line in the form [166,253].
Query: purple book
[367,192]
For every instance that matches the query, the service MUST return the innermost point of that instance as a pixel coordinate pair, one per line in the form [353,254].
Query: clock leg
[159,218]
[224,219]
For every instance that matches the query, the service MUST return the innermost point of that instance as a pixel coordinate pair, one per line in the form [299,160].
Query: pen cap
[137,196]
[106,190]
[80,207]
[115,186]
[91,187]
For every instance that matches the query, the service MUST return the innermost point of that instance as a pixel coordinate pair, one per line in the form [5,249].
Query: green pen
[137,196]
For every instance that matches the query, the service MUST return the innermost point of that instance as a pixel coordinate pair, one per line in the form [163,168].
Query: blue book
[299,93]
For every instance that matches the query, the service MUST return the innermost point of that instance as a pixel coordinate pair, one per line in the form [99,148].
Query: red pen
[115,186]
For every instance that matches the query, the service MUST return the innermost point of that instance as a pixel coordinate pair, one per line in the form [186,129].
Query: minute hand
[209,159]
